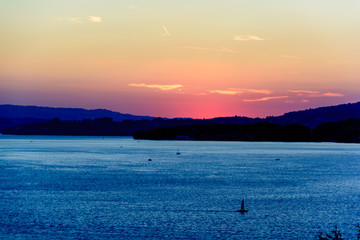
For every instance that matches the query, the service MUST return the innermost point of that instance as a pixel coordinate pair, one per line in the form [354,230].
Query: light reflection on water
[101,188]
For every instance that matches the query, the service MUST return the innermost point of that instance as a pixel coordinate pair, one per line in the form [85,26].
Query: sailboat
[242,210]
[177,152]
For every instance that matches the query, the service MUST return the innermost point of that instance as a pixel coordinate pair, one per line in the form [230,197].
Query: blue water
[105,188]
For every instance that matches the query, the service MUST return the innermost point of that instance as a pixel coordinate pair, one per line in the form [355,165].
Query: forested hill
[15,116]
[316,116]
[65,114]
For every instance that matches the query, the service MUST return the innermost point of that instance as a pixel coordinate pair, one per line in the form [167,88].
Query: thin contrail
[167,33]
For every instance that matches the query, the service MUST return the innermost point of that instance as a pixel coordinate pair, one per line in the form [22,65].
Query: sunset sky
[199,58]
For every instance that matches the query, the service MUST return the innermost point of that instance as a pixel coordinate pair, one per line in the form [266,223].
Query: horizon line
[149,116]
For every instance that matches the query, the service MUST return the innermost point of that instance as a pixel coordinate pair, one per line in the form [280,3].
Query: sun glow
[163,58]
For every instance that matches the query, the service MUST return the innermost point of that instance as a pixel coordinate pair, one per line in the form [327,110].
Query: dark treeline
[97,127]
[230,132]
[343,131]
[182,129]
[14,115]
[86,127]
[107,127]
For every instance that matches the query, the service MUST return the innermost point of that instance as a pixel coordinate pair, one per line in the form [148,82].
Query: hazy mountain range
[14,115]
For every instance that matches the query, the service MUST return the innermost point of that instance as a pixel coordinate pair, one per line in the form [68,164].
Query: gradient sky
[180,58]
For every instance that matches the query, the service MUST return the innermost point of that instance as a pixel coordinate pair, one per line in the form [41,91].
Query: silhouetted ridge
[288,127]
[316,116]
[15,111]
[14,115]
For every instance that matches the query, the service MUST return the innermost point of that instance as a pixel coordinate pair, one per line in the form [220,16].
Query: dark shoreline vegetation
[343,131]
[325,124]
[347,131]
[15,115]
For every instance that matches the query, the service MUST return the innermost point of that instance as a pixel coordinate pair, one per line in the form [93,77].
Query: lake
[60,187]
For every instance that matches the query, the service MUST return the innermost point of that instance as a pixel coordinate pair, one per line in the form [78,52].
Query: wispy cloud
[75,19]
[262,91]
[310,93]
[330,94]
[95,19]
[265,99]
[304,91]
[225,92]
[238,91]
[248,38]
[297,101]
[222,49]
[156,86]
[166,31]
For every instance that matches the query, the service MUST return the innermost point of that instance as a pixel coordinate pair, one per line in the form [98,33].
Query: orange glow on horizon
[254,59]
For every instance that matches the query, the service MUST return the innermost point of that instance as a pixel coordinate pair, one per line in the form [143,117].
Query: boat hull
[242,210]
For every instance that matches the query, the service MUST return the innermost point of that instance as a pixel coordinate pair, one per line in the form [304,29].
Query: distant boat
[178,153]
[242,210]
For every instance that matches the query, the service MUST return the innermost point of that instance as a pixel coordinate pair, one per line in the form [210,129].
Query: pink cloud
[238,91]
[225,92]
[310,93]
[304,91]
[157,86]
[330,94]
[265,99]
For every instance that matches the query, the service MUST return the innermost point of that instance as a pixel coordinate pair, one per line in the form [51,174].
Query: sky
[200,59]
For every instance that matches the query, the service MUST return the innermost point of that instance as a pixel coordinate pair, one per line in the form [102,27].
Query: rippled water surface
[106,188]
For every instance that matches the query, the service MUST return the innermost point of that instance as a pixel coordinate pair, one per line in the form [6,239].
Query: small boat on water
[242,210]
[177,152]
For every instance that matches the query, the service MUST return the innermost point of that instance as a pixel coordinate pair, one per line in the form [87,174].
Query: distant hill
[13,115]
[310,117]
[314,117]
